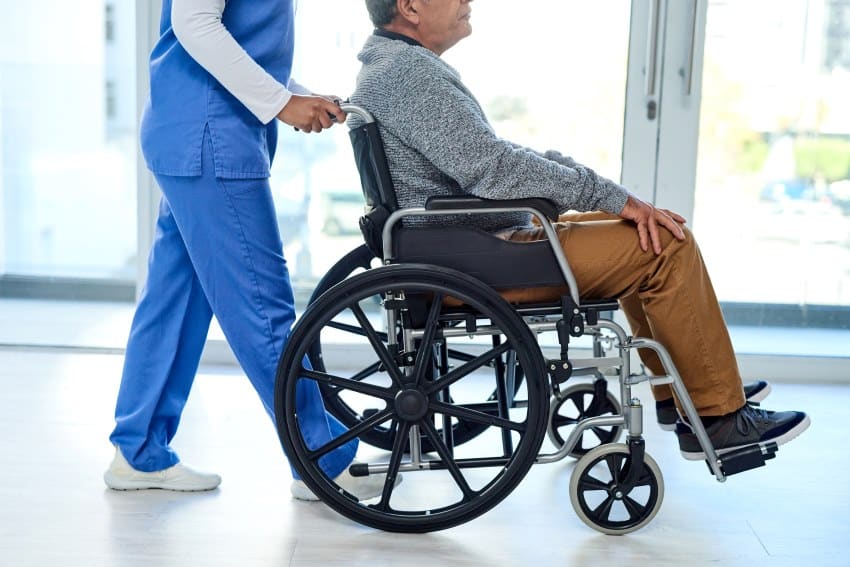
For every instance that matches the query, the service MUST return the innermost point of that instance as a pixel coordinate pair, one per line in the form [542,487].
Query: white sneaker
[363,487]
[122,476]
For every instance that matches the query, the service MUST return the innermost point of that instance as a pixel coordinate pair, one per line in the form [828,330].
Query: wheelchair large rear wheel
[356,261]
[412,392]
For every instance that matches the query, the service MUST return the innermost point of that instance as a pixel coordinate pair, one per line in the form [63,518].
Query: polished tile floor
[56,413]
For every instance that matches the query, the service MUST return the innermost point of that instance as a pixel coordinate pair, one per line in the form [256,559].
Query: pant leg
[231,234]
[166,340]
[633,308]
[678,301]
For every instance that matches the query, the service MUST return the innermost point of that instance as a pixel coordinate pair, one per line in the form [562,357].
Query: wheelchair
[418,352]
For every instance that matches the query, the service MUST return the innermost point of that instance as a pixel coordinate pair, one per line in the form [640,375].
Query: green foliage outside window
[822,157]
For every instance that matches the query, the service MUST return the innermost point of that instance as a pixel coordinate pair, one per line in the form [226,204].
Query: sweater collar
[393,35]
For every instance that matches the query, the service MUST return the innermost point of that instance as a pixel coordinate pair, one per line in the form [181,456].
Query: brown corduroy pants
[666,297]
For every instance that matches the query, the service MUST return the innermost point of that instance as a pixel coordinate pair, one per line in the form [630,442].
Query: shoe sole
[760,395]
[781,440]
[667,426]
[126,485]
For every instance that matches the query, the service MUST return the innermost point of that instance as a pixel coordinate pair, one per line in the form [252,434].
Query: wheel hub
[411,405]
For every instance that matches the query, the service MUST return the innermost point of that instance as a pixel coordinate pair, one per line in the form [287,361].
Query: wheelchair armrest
[544,206]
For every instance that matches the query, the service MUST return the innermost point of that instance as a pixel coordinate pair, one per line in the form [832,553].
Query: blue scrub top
[185,100]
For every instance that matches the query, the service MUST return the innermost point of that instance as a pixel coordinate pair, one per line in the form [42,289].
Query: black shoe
[668,415]
[747,426]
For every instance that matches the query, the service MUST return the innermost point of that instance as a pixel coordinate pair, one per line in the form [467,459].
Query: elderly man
[438,142]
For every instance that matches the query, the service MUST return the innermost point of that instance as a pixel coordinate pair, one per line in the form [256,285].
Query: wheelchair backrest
[371,162]
[375,179]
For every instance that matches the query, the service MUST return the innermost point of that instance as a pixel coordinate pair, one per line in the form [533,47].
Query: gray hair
[381,12]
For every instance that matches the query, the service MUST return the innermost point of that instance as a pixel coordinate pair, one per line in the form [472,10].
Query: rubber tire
[620,452]
[428,279]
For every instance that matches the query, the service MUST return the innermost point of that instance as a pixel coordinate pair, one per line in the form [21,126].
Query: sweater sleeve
[198,27]
[436,117]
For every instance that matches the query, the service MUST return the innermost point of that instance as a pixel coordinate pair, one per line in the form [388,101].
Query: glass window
[67,139]
[531,70]
[773,180]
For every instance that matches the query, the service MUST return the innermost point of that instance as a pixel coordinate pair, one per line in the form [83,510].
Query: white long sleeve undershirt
[198,27]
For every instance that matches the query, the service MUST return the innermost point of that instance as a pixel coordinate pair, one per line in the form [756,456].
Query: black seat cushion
[501,264]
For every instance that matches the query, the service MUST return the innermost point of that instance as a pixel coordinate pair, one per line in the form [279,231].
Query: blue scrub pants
[217,250]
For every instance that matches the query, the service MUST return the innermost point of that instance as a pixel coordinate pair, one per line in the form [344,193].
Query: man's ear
[407,10]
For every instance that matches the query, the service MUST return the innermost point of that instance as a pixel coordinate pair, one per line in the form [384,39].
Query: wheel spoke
[363,374]
[465,369]
[601,434]
[635,510]
[446,456]
[562,421]
[645,479]
[356,431]
[578,404]
[347,383]
[366,372]
[604,509]
[588,484]
[431,327]
[401,435]
[461,412]
[579,446]
[377,344]
[354,330]
[613,467]
[459,355]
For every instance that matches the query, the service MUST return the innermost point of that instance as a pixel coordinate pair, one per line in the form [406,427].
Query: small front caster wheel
[575,404]
[601,499]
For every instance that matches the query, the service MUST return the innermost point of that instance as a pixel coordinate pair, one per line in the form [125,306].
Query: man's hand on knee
[647,220]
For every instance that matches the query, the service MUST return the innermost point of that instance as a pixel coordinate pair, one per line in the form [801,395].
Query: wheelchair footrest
[747,458]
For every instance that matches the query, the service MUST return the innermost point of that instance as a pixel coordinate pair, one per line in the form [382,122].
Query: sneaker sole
[781,440]
[116,483]
[760,395]
[667,426]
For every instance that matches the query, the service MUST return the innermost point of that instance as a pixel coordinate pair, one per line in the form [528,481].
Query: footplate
[746,458]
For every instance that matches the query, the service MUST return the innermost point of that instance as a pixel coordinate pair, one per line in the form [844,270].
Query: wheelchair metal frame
[632,418]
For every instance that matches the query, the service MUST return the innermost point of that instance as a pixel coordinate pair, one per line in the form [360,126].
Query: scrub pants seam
[247,255]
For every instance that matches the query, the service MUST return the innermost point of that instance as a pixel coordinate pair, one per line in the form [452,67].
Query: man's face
[443,23]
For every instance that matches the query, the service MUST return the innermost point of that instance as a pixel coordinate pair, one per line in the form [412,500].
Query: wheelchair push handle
[358,111]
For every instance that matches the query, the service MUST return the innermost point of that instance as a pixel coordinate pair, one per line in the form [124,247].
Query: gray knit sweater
[438,141]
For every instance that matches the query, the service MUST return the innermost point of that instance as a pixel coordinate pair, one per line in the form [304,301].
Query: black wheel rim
[470,495]
[606,503]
